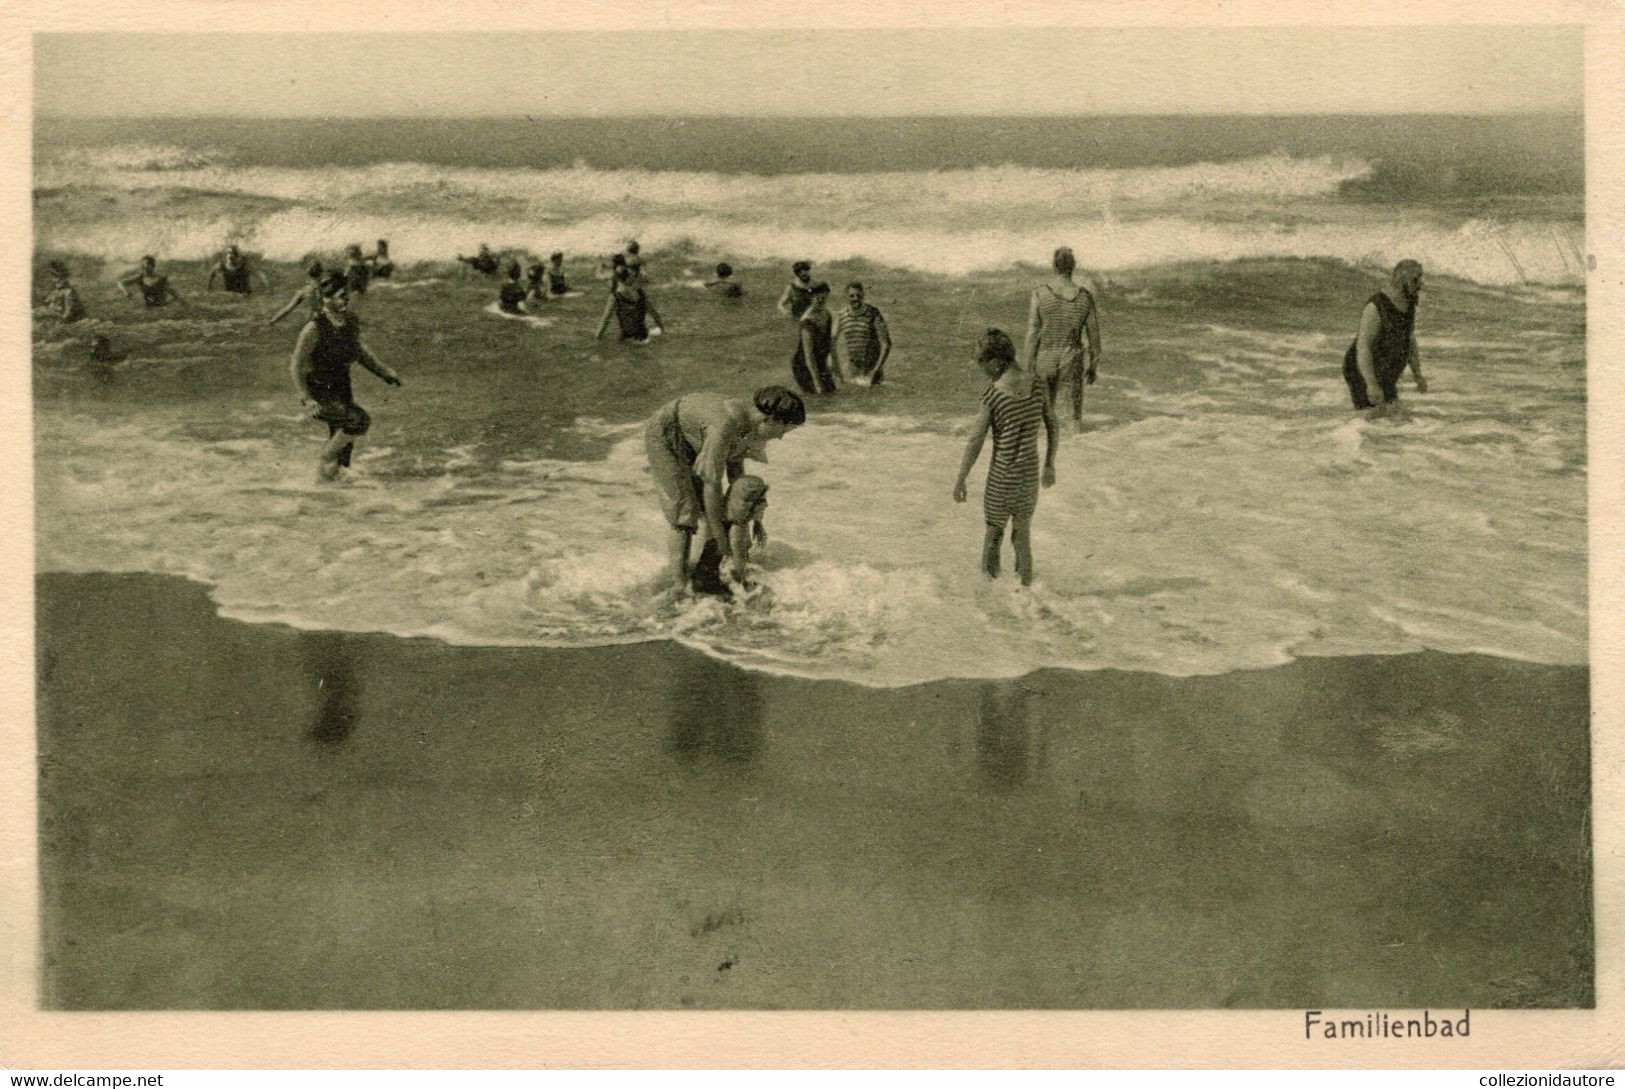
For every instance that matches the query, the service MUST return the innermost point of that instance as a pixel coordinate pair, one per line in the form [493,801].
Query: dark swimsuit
[511,296]
[337,348]
[157,292]
[824,382]
[630,314]
[235,280]
[1390,351]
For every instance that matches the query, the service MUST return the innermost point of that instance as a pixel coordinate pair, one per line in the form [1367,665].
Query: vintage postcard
[1087,531]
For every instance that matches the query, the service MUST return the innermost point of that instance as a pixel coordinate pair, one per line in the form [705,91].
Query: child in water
[1012,408]
[746,505]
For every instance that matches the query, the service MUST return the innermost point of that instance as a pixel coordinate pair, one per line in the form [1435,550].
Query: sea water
[1223,509]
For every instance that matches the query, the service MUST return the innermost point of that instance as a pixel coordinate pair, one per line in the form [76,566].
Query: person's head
[1063,261]
[149,263]
[232,251]
[354,252]
[383,245]
[746,500]
[782,410]
[336,293]
[632,247]
[58,271]
[819,294]
[314,271]
[623,274]
[1407,279]
[995,352]
[724,270]
[555,258]
[617,260]
[802,270]
[513,270]
[100,346]
[854,294]
[485,251]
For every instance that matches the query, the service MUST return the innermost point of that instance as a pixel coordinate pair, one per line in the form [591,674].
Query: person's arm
[840,364]
[124,282]
[807,347]
[973,450]
[213,272]
[293,304]
[739,539]
[1413,359]
[264,280]
[609,312]
[1091,329]
[1035,322]
[299,369]
[377,366]
[1052,441]
[784,303]
[883,335]
[1370,322]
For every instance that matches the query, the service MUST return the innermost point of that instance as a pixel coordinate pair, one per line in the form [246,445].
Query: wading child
[745,507]
[1012,408]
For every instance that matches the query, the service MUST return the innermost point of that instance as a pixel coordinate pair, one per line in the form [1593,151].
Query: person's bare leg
[677,556]
[990,551]
[333,456]
[1021,536]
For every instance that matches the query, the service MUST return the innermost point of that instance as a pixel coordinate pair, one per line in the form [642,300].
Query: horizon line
[645,116]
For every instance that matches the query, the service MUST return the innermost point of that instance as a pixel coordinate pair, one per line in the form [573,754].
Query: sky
[829,70]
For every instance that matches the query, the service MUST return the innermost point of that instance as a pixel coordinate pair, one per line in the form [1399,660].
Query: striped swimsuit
[1060,336]
[1012,475]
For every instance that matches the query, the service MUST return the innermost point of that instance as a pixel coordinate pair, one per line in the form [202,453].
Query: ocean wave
[79,162]
[1481,251]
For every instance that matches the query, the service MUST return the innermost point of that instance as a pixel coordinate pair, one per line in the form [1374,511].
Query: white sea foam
[953,222]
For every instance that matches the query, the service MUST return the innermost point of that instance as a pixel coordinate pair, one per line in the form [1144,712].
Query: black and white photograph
[815,518]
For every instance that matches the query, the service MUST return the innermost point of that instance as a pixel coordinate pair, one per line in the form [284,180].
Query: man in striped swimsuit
[862,341]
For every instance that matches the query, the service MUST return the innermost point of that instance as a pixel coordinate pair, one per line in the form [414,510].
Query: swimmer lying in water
[744,509]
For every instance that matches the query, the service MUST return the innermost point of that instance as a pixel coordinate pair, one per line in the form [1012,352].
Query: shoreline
[321,820]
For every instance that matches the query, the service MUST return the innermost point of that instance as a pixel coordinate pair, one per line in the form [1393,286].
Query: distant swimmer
[356,271]
[62,301]
[155,289]
[798,292]
[234,273]
[1060,316]
[724,286]
[103,354]
[309,297]
[328,345]
[862,341]
[484,262]
[744,507]
[634,258]
[554,278]
[1386,342]
[1013,406]
[696,446]
[631,308]
[380,264]
[511,298]
[810,365]
[535,282]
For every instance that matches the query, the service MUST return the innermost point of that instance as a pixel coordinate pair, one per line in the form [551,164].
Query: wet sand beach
[245,816]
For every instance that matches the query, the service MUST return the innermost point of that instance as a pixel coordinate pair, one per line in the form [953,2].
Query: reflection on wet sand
[337,708]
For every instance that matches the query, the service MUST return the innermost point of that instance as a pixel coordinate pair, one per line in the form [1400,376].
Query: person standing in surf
[1386,343]
[631,308]
[724,287]
[154,286]
[696,447]
[309,296]
[862,341]
[1060,316]
[234,273]
[1013,406]
[554,277]
[810,365]
[328,345]
[380,264]
[484,262]
[798,292]
[357,273]
[511,298]
[62,301]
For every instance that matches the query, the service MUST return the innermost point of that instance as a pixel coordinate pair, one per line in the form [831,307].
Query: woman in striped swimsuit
[1060,316]
[1012,408]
